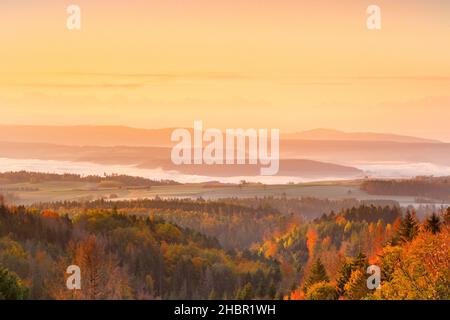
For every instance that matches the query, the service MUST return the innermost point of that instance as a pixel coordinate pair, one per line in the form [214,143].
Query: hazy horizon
[292,65]
[347,100]
[321,133]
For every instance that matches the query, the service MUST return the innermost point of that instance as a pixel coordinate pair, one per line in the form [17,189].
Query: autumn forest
[256,248]
[182,156]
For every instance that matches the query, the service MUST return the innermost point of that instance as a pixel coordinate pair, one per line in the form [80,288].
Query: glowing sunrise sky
[293,65]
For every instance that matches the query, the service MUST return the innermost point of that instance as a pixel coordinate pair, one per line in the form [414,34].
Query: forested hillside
[122,257]
[430,187]
[187,249]
[115,180]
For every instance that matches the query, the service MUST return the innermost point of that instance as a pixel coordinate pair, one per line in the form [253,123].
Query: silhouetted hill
[122,135]
[328,134]
[159,157]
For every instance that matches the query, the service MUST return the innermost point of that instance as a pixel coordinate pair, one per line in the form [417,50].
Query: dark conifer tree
[344,275]
[433,223]
[317,274]
[409,227]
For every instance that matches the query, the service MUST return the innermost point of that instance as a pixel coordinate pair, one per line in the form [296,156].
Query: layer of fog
[382,170]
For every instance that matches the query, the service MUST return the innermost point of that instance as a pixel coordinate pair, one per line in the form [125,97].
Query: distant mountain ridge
[85,135]
[329,134]
[159,157]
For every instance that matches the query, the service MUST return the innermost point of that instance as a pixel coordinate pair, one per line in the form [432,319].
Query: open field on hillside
[28,193]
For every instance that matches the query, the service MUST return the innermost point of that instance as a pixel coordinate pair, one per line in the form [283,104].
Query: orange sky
[285,64]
